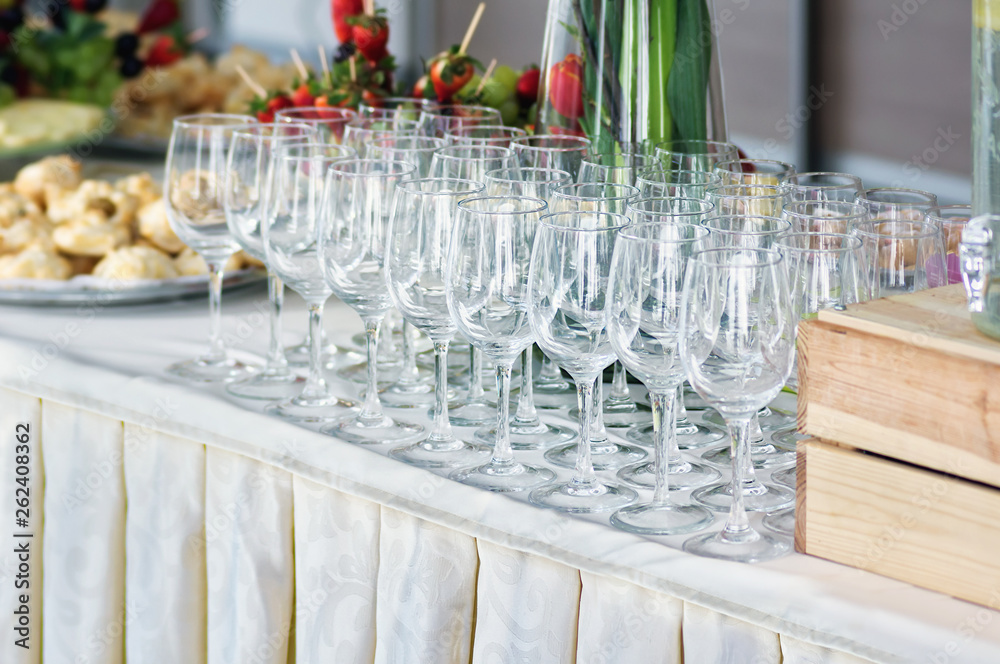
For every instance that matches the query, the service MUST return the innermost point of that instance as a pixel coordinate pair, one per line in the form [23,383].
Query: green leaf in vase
[662,42]
[687,86]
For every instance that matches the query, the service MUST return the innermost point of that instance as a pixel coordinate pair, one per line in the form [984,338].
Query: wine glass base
[719,497]
[770,419]
[595,497]
[505,478]
[428,455]
[411,396]
[352,430]
[472,414]
[784,477]
[771,457]
[621,418]
[788,439]
[540,438]
[757,547]
[656,519]
[269,387]
[309,411]
[358,373]
[331,356]
[782,522]
[618,457]
[689,437]
[200,371]
[682,476]
[555,400]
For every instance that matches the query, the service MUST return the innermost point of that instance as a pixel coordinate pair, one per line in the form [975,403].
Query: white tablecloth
[175,524]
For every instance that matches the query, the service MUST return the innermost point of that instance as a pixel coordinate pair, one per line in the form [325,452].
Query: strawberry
[164,51]
[450,71]
[341,10]
[527,86]
[264,109]
[371,34]
[566,86]
[159,14]
[422,87]
[303,95]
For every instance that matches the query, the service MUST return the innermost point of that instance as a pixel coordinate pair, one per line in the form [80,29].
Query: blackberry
[126,45]
[343,52]
[11,18]
[131,66]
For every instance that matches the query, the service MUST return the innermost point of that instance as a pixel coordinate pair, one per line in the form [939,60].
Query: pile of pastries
[55,225]
[147,104]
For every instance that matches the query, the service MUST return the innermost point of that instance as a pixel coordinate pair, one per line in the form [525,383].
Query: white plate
[85,289]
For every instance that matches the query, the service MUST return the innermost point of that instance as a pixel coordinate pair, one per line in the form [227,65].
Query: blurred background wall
[888,85]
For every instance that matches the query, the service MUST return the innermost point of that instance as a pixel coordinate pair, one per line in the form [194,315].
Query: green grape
[469,88]
[509,111]
[494,94]
[506,77]
[7,95]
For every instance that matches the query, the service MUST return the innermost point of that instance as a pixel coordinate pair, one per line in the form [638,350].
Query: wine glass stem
[681,409]
[739,433]
[276,361]
[584,472]
[409,374]
[315,385]
[476,391]
[216,346]
[619,385]
[372,408]
[441,430]
[526,413]
[550,372]
[664,435]
[502,452]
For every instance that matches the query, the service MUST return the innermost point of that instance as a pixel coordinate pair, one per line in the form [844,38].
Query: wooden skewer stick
[301,66]
[486,76]
[472,28]
[370,7]
[196,36]
[326,65]
[354,71]
[252,84]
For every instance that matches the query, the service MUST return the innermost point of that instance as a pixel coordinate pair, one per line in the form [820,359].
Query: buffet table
[173,523]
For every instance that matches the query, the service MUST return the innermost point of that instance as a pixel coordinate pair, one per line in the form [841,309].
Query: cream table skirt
[173,524]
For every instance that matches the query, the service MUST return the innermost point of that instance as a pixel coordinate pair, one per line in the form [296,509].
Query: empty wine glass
[823,273]
[471,162]
[330,124]
[737,340]
[527,431]
[495,135]
[568,289]
[251,170]
[593,197]
[901,256]
[662,182]
[414,387]
[614,167]
[193,194]
[440,119]
[823,216]
[754,171]
[822,186]
[952,219]
[487,289]
[688,435]
[695,155]
[352,235]
[558,151]
[290,233]
[359,133]
[758,200]
[646,282]
[420,226]
[394,108]
[896,203]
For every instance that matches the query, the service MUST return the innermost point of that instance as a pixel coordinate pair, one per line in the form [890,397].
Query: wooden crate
[908,377]
[892,518]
